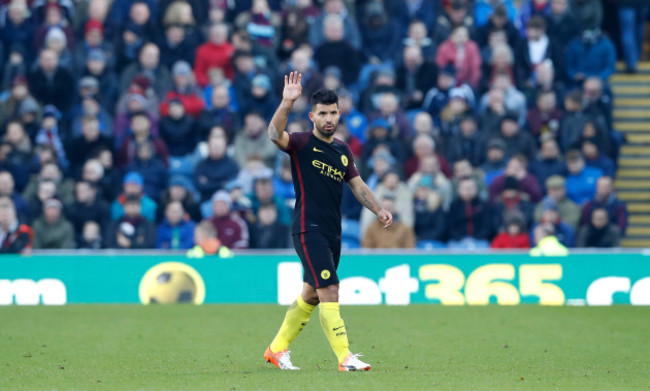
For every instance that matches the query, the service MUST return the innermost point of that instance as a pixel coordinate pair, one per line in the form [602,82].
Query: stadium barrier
[394,278]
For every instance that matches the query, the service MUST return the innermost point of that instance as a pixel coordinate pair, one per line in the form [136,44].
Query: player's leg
[330,316]
[295,319]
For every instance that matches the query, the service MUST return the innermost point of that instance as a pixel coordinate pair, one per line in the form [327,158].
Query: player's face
[325,118]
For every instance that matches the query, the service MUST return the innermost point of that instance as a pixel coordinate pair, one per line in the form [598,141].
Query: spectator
[220,113]
[535,49]
[517,141]
[551,215]
[51,172]
[495,162]
[129,44]
[594,158]
[516,168]
[337,51]
[16,238]
[548,164]
[132,185]
[148,64]
[45,190]
[390,110]
[178,130]
[632,16]
[294,31]
[415,77]
[563,25]
[184,89]
[382,81]
[380,34]
[351,34]
[11,103]
[263,193]
[140,98]
[176,45]
[469,143]
[93,41]
[91,237]
[570,212]
[391,186]
[418,36]
[87,206]
[430,219]
[514,102]
[50,83]
[497,60]
[83,147]
[464,54]
[231,229]
[7,189]
[176,232]
[54,19]
[401,235]
[420,10]
[260,98]
[206,242]
[599,232]
[546,243]
[18,28]
[268,232]
[514,235]
[597,102]
[545,118]
[438,97]
[483,9]
[132,230]
[459,106]
[51,135]
[498,21]
[512,200]
[151,168]
[179,190]
[212,173]
[591,55]
[252,140]
[470,218]
[52,230]
[606,198]
[111,178]
[456,15]
[581,181]
[464,169]
[493,112]
[140,132]
[429,175]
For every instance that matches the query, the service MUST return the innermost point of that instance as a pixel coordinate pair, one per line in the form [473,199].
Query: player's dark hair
[325,97]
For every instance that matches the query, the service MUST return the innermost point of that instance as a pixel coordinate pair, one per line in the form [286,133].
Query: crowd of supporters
[128,124]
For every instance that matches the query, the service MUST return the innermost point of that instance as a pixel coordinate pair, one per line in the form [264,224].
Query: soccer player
[319,164]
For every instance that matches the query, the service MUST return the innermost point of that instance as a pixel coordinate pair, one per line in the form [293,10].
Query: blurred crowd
[143,123]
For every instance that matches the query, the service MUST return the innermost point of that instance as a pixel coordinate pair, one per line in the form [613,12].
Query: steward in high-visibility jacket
[547,243]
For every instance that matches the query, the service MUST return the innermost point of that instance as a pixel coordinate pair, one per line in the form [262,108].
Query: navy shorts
[320,255]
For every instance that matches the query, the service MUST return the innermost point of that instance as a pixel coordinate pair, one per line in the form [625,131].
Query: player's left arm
[367,199]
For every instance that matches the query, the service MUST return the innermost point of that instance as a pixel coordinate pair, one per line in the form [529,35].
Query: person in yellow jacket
[206,243]
[546,242]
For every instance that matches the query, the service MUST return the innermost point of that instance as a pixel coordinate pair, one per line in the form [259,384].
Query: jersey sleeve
[352,167]
[296,142]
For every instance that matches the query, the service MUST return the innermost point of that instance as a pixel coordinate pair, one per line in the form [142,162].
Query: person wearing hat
[148,64]
[141,131]
[131,230]
[54,18]
[215,53]
[52,230]
[93,39]
[50,135]
[546,243]
[591,55]
[437,97]
[231,229]
[96,64]
[179,189]
[133,185]
[381,34]
[261,97]
[564,233]
[185,90]
[50,83]
[556,189]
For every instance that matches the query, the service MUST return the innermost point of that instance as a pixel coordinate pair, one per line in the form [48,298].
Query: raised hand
[292,86]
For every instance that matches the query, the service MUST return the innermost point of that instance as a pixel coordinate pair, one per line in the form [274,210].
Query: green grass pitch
[220,347]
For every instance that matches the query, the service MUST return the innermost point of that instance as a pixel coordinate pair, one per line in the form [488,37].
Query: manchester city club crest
[344,160]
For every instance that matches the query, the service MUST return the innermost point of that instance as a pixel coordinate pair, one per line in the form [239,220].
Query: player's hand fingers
[286,80]
[299,78]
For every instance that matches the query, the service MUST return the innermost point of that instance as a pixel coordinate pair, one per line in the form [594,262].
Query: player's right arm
[292,91]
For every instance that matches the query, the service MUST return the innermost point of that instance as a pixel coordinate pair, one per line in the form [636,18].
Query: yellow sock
[334,328]
[294,321]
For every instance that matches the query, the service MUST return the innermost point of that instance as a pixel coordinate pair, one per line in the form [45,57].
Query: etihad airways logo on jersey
[328,171]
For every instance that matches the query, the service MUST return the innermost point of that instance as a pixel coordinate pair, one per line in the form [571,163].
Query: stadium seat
[351,229]
[349,243]
[206,209]
[430,244]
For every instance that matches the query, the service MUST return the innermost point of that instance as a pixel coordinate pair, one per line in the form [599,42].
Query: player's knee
[310,298]
[329,293]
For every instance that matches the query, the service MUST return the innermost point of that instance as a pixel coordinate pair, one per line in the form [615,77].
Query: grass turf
[219,347]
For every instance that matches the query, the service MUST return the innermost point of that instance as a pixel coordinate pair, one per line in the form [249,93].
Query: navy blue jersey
[319,170]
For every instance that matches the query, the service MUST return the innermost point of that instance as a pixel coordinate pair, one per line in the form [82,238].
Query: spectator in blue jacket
[551,215]
[581,181]
[484,8]
[133,184]
[176,232]
[592,54]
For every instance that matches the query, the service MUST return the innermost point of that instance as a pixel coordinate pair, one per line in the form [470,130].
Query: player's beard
[325,132]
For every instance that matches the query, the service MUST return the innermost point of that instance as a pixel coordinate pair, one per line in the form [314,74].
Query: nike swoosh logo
[340,327]
[317,150]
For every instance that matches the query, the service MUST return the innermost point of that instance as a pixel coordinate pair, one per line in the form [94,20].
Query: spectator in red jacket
[184,90]
[232,230]
[15,237]
[216,53]
[515,235]
[464,54]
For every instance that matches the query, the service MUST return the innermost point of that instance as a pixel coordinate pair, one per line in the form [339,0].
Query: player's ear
[311,115]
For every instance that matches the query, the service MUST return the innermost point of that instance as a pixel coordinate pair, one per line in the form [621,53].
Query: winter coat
[59,235]
[273,236]
[148,208]
[180,136]
[590,236]
[216,174]
[505,240]
[52,91]
[546,168]
[528,185]
[232,231]
[144,234]
[568,209]
[616,209]
[470,70]
[581,187]
[469,219]
[210,56]
[597,60]
[400,235]
[342,55]
[178,237]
